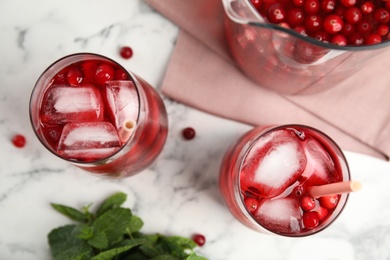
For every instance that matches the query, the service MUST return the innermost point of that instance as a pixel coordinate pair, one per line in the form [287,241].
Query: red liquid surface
[82,113]
[272,182]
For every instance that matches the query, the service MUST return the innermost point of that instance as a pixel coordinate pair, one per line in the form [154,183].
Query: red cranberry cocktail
[265,177]
[90,111]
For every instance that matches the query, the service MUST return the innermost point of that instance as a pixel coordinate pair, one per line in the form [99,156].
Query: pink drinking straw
[126,130]
[334,188]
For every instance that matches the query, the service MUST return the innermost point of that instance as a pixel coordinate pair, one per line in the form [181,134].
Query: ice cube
[123,102]
[321,168]
[65,104]
[279,215]
[276,166]
[88,141]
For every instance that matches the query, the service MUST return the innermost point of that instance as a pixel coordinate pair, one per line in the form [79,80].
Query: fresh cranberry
[276,14]
[89,71]
[126,52]
[120,74]
[60,77]
[257,3]
[19,141]
[307,203]
[329,202]
[333,24]
[355,38]
[382,29]
[339,10]
[353,15]
[328,6]
[373,38]
[348,29]
[74,76]
[311,6]
[339,39]
[310,219]
[321,36]
[347,3]
[188,133]
[381,15]
[199,239]
[363,27]
[301,30]
[322,213]
[104,73]
[294,17]
[313,23]
[298,3]
[367,7]
[251,204]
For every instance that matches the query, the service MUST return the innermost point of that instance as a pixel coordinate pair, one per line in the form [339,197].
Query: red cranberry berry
[74,76]
[199,239]
[89,71]
[257,3]
[339,39]
[120,74]
[373,38]
[347,3]
[251,204]
[276,14]
[333,24]
[363,27]
[307,203]
[104,73]
[310,219]
[313,23]
[19,141]
[322,213]
[348,29]
[329,202]
[188,133]
[298,3]
[381,15]
[355,38]
[294,17]
[328,6]
[382,29]
[311,6]
[367,7]
[353,15]
[321,36]
[126,52]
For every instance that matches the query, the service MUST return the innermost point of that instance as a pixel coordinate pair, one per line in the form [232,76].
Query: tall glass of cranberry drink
[88,110]
[265,177]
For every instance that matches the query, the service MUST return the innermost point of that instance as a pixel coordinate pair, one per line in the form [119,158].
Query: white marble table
[178,195]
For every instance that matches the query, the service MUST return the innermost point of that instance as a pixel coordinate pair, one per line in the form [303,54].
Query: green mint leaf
[110,228]
[135,224]
[194,256]
[165,257]
[183,242]
[109,254]
[64,244]
[86,232]
[171,247]
[114,201]
[70,212]
[150,250]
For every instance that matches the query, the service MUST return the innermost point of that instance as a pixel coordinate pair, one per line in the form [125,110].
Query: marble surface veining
[178,194]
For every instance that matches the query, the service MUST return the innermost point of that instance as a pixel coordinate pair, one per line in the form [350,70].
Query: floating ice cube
[321,168]
[279,215]
[279,163]
[88,141]
[65,104]
[123,102]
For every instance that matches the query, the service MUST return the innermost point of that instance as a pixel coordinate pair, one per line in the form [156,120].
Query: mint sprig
[113,232]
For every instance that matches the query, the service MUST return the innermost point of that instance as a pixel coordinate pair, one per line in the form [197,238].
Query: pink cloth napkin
[201,74]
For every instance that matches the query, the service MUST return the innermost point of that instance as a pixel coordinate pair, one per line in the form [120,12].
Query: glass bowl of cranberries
[305,46]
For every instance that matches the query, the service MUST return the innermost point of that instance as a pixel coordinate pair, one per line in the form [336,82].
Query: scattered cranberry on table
[126,52]
[188,133]
[340,22]
[19,141]
[199,239]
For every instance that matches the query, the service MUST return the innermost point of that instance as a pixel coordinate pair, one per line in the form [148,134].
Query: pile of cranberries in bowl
[339,22]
